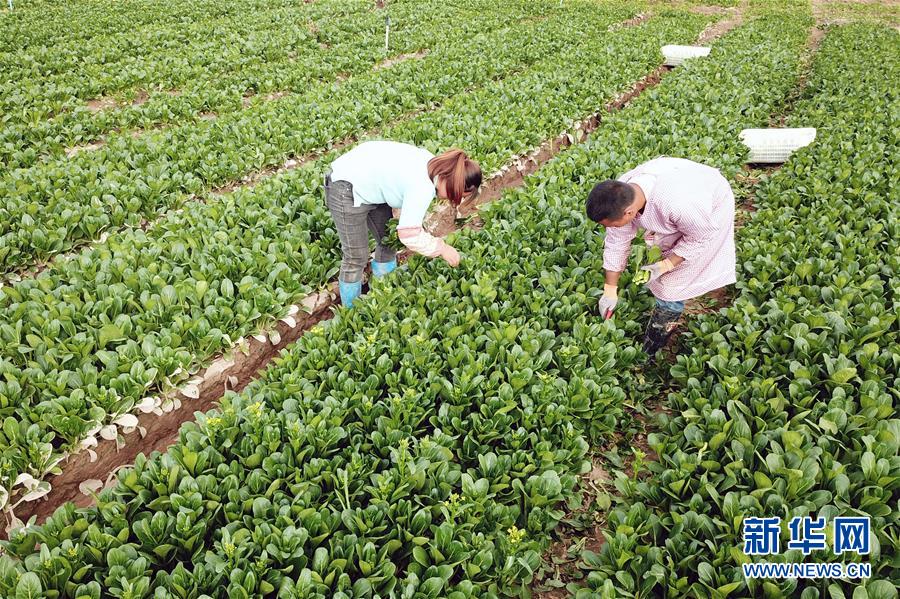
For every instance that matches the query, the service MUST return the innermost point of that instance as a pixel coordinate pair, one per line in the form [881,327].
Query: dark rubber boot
[659,329]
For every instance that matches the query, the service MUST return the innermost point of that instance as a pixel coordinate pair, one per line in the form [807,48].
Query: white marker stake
[387,32]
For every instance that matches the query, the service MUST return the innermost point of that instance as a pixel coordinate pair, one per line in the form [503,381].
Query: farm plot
[202,69]
[148,308]
[52,206]
[786,404]
[437,467]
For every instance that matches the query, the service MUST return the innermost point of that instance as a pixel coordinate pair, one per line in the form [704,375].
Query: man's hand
[658,269]
[607,303]
[450,255]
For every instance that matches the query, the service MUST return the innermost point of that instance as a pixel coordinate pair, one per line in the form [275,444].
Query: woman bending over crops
[366,183]
[687,211]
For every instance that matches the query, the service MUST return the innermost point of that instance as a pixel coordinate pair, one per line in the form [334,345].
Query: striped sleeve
[617,246]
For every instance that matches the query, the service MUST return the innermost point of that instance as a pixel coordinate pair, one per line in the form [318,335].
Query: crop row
[787,403]
[202,72]
[124,37]
[420,445]
[46,209]
[90,337]
[105,21]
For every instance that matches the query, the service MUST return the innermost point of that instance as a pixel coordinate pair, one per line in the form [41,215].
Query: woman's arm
[410,226]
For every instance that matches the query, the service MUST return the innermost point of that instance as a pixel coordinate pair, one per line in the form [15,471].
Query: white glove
[607,303]
[658,269]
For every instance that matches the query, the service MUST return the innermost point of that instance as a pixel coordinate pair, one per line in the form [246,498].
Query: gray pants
[353,224]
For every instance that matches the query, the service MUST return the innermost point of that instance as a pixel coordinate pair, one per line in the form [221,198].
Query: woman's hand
[450,255]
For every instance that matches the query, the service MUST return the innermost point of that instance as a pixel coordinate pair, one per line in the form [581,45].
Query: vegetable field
[461,432]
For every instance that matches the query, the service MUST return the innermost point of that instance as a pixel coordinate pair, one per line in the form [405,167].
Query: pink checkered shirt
[689,212]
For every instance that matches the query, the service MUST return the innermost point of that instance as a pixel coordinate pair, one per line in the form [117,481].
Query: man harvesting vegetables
[686,210]
[366,183]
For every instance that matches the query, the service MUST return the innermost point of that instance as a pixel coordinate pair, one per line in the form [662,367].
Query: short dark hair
[608,200]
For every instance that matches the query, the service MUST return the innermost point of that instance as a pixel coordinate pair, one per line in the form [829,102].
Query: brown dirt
[709,10]
[709,303]
[99,104]
[565,552]
[142,96]
[815,38]
[106,103]
[387,63]
[718,29]
[635,20]
[813,41]
[70,152]
[248,99]
[162,431]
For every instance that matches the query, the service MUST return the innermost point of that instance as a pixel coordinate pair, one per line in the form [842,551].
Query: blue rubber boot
[380,269]
[349,292]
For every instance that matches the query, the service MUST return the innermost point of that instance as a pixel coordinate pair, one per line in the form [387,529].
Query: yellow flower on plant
[515,535]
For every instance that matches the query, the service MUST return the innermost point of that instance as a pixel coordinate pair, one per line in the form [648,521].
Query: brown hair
[461,175]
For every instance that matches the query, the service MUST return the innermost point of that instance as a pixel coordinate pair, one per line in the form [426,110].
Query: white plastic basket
[774,146]
[675,55]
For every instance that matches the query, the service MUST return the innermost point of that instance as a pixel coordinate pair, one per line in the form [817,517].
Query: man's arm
[616,247]
[675,259]
[612,277]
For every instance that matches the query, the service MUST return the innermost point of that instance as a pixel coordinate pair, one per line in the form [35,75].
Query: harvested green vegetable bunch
[648,254]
